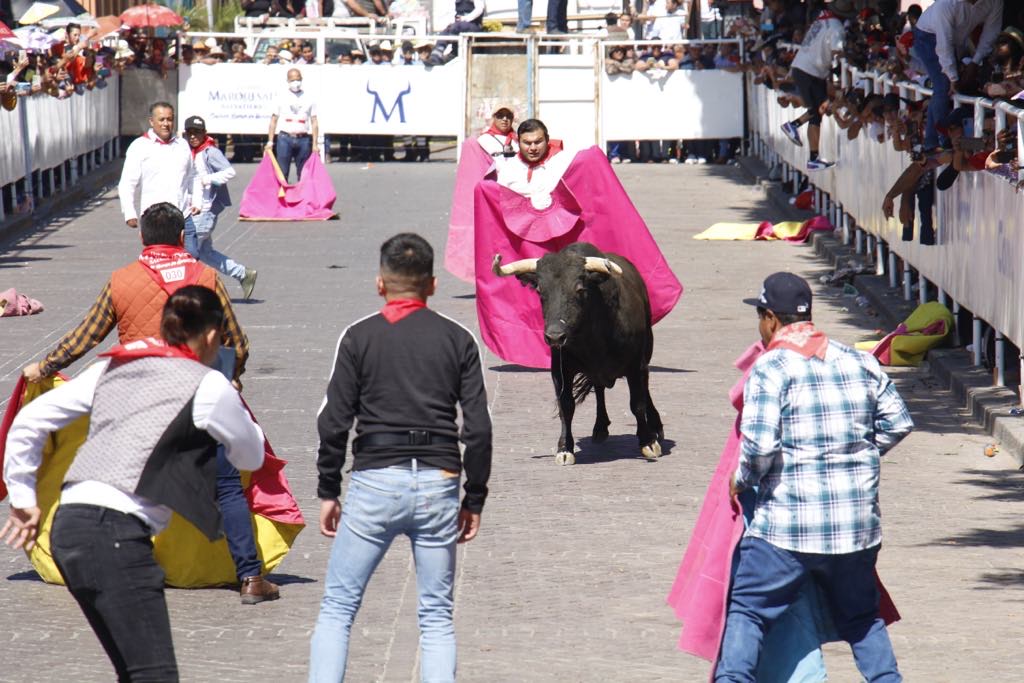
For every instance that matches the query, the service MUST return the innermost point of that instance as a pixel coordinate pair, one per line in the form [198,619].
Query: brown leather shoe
[256,589]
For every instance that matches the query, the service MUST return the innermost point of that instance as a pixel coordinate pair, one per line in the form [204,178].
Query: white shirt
[165,171]
[668,26]
[495,144]
[952,21]
[824,38]
[217,409]
[514,173]
[295,112]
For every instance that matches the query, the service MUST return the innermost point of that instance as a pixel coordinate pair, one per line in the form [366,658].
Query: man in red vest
[133,301]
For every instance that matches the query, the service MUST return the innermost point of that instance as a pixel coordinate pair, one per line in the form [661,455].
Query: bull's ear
[527,279]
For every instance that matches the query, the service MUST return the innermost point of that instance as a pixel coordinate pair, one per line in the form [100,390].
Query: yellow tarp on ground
[749,231]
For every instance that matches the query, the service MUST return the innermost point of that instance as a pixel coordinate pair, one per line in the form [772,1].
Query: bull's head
[565,282]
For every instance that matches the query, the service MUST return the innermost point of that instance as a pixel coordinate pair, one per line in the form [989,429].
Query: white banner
[364,99]
[682,105]
[979,255]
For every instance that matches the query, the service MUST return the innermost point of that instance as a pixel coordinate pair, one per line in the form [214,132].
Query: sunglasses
[504,117]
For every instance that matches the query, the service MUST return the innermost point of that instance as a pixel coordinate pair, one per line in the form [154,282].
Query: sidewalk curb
[87,187]
[988,405]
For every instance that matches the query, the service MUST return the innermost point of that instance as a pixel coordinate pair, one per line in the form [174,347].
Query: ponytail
[190,312]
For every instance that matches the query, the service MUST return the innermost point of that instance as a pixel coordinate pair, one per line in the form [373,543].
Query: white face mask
[295,86]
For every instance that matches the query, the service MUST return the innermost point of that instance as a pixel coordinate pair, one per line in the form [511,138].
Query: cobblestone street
[568,578]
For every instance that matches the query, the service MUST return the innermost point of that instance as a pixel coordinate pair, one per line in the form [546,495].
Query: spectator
[469,15]
[273,55]
[373,10]
[257,8]
[239,55]
[307,55]
[669,24]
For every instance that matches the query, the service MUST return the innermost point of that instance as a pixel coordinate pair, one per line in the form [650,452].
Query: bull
[597,321]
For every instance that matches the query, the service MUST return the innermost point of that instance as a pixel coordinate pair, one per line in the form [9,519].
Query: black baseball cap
[195,123]
[784,293]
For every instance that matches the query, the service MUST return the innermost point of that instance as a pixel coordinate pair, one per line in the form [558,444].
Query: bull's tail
[581,388]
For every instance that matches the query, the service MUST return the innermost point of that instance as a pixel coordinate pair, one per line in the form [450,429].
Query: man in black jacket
[399,375]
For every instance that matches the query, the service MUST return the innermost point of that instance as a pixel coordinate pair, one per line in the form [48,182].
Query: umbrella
[68,8]
[36,39]
[37,12]
[5,31]
[82,20]
[148,16]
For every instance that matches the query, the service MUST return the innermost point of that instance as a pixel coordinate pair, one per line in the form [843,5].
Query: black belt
[413,437]
[295,135]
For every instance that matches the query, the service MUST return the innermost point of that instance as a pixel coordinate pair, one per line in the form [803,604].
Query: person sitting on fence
[670,23]
[469,16]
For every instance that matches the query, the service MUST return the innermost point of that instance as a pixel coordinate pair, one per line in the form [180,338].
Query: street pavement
[568,578]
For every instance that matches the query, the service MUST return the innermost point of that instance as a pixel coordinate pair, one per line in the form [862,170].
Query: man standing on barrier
[817,417]
[299,134]
[399,376]
[811,70]
[162,163]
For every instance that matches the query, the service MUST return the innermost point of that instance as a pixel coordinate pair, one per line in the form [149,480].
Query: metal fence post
[879,257]
[1000,360]
[976,340]
[908,293]
[922,289]
[858,241]
[892,269]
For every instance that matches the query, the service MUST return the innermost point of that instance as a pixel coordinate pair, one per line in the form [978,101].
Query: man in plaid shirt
[817,416]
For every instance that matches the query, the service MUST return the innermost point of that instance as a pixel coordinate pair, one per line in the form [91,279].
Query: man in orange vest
[133,300]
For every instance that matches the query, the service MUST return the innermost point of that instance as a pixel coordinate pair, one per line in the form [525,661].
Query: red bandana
[205,144]
[151,135]
[504,138]
[149,347]
[554,147]
[801,337]
[397,309]
[170,267]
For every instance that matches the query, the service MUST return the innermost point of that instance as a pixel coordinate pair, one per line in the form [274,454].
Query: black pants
[106,559]
[813,91]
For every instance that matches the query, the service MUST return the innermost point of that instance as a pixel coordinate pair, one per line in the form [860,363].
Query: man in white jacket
[213,173]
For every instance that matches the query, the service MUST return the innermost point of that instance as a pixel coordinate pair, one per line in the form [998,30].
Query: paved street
[568,578]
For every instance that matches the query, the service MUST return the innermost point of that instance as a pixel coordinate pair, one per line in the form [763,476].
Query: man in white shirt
[811,70]
[538,167]
[669,24]
[499,140]
[162,163]
[942,32]
[299,132]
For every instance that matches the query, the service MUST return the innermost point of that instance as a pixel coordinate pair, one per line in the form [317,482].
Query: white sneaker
[627,160]
[673,160]
[691,159]
[701,160]
[616,160]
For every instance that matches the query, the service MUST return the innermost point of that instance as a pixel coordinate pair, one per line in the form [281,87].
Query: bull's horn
[602,265]
[526,265]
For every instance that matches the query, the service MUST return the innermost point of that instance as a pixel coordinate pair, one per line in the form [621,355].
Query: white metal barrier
[978,259]
[49,142]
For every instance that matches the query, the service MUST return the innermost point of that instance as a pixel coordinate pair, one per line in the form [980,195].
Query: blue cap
[784,293]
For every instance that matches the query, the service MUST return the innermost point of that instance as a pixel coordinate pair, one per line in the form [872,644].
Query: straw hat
[422,44]
[385,46]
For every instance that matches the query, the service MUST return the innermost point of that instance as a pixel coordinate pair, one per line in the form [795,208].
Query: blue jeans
[199,242]
[939,105]
[557,17]
[382,504]
[234,509]
[768,580]
[525,15]
[289,148]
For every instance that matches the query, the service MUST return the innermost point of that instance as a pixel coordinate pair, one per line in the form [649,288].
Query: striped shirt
[102,318]
[812,433]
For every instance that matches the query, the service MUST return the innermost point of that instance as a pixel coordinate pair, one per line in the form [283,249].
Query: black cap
[195,123]
[784,293]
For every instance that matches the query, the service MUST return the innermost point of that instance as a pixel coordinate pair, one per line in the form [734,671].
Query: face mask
[295,86]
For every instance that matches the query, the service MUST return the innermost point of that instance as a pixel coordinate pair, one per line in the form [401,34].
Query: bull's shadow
[616,447]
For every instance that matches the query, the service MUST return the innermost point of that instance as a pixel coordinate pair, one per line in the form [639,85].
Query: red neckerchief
[826,15]
[554,147]
[149,347]
[396,309]
[498,135]
[170,267]
[205,144]
[801,337]
[151,135]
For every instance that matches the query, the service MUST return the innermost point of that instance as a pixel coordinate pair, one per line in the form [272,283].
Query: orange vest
[139,301]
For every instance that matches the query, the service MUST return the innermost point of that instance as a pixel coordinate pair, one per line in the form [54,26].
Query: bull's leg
[654,417]
[600,433]
[562,378]
[639,406]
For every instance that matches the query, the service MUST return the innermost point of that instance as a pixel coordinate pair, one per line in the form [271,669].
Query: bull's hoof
[565,458]
[651,451]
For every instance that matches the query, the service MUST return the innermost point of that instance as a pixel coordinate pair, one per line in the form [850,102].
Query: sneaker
[673,160]
[256,589]
[249,282]
[793,133]
[819,165]
[701,161]
[691,159]
[616,160]
[627,160]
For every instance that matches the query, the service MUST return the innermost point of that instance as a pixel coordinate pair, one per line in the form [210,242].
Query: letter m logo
[378,105]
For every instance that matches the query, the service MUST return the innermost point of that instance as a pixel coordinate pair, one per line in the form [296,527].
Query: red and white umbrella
[5,31]
[150,16]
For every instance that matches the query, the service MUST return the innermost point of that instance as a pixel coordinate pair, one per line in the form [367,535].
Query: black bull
[597,320]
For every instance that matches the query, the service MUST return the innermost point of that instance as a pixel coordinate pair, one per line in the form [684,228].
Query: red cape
[589,204]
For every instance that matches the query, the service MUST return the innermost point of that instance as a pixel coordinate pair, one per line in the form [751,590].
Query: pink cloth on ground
[310,199]
[14,304]
[589,204]
[474,163]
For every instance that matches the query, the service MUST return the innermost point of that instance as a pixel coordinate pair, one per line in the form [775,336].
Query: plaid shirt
[101,320]
[813,432]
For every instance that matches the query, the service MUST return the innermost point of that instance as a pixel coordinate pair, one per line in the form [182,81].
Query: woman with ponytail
[158,411]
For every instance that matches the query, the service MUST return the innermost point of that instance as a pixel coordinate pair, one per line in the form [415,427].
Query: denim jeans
[525,15]
[234,509]
[939,106]
[289,148]
[382,504]
[767,582]
[557,16]
[199,242]
[106,560]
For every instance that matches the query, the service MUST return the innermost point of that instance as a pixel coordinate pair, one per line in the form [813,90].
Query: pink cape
[474,163]
[269,198]
[700,592]
[589,204]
